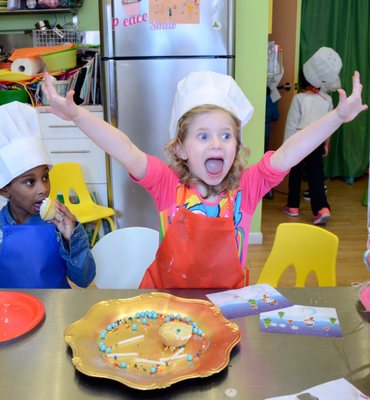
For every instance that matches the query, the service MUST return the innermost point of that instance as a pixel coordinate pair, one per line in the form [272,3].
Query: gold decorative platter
[118,339]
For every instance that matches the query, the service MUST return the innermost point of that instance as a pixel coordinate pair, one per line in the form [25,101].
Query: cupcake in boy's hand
[48,210]
[175,334]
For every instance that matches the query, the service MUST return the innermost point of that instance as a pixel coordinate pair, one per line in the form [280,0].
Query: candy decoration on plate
[174,331]
[120,339]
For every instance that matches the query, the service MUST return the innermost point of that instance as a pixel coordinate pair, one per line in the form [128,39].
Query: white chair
[122,256]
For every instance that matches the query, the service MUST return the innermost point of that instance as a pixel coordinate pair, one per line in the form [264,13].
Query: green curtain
[344,26]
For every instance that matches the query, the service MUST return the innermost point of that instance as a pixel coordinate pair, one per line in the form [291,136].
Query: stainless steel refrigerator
[147,47]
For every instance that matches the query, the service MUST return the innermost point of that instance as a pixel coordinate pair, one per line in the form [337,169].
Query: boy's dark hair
[303,84]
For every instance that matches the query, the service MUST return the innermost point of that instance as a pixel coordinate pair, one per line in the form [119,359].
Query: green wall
[251,72]
[88,17]
[251,59]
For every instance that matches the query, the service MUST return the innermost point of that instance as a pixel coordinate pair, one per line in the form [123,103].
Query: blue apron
[29,257]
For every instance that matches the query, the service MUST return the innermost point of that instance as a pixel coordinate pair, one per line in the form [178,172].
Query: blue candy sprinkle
[189,357]
[134,327]
[123,364]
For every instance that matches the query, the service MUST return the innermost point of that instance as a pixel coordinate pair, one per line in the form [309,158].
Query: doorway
[285,32]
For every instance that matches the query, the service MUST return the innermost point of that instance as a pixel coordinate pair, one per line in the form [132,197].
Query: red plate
[19,313]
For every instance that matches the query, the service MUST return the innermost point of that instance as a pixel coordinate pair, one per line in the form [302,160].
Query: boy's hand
[349,107]
[64,108]
[67,223]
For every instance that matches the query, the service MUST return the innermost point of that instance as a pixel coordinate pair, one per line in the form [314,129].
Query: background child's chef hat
[21,146]
[323,68]
[207,87]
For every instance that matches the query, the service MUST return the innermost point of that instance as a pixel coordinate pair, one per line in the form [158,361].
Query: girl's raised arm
[110,139]
[302,143]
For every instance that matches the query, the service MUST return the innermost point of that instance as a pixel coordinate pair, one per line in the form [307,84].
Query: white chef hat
[207,87]
[21,145]
[323,68]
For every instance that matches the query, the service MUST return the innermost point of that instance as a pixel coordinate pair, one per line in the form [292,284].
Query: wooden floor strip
[348,221]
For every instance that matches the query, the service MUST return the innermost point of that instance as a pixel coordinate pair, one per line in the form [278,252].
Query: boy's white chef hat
[208,87]
[323,68]
[21,145]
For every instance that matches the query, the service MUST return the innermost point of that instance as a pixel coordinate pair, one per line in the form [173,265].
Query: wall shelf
[39,11]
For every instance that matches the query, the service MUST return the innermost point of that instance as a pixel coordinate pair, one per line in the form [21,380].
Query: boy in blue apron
[35,253]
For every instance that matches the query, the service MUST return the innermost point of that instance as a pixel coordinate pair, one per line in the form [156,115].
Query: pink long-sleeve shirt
[167,192]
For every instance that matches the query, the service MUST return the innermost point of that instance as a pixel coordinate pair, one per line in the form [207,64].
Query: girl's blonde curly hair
[181,167]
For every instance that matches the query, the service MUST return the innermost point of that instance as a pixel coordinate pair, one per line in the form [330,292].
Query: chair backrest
[308,248]
[122,256]
[66,178]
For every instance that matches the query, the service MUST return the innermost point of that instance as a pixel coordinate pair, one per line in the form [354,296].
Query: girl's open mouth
[214,166]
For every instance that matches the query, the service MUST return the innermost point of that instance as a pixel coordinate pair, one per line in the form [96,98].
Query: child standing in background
[35,253]
[206,197]
[271,114]
[320,74]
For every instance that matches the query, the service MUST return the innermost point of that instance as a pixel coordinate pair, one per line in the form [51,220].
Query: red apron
[197,252]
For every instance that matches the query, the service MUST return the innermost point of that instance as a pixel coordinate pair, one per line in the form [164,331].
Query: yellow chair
[66,179]
[308,248]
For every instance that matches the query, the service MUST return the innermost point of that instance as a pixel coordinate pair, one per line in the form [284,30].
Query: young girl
[206,197]
[33,252]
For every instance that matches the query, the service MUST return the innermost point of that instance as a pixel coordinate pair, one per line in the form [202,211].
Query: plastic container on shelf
[60,86]
[53,4]
[60,60]
[55,37]
[7,96]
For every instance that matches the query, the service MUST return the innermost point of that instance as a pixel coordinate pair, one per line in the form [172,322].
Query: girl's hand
[349,107]
[64,108]
[67,223]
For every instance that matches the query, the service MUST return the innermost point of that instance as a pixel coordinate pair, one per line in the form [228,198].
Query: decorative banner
[302,320]
[174,11]
[249,300]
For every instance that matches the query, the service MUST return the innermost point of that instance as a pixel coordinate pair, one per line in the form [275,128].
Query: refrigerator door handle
[110,107]
[109,89]
[70,152]
[106,22]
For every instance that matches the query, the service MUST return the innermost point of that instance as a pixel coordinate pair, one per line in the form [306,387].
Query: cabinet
[66,142]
